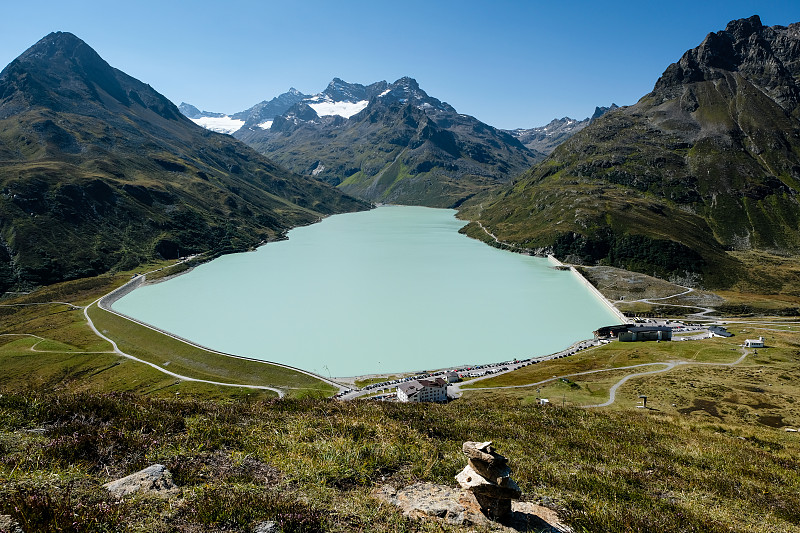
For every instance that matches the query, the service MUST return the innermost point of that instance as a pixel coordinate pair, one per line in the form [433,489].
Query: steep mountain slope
[708,162]
[545,139]
[391,143]
[99,171]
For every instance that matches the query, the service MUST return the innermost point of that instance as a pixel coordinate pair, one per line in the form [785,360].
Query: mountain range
[99,172]
[706,164]
[383,142]
[544,139]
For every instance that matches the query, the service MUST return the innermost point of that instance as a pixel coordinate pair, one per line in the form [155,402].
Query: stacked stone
[488,476]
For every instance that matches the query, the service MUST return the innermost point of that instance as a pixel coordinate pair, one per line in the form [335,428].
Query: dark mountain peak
[743,28]
[407,82]
[339,90]
[407,91]
[769,57]
[408,85]
[63,73]
[192,112]
[58,43]
[267,110]
[189,110]
[63,50]
[599,111]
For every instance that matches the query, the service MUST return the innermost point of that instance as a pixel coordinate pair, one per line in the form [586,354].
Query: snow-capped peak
[223,124]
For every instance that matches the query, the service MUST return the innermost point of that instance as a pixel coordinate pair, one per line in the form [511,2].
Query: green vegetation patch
[312,465]
[188,360]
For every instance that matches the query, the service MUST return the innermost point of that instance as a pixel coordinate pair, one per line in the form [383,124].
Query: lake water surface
[388,290]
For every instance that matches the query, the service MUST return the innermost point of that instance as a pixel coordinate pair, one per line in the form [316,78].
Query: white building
[423,390]
[754,343]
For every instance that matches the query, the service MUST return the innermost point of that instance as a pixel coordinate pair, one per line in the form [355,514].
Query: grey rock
[494,473]
[9,525]
[267,527]
[471,480]
[428,501]
[483,451]
[153,479]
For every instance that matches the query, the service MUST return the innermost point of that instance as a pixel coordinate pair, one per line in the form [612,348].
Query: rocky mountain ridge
[391,143]
[708,162]
[546,138]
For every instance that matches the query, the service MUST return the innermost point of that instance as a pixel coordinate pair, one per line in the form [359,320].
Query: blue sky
[509,63]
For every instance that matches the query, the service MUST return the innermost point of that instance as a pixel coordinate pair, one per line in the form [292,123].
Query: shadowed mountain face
[99,171]
[391,143]
[708,162]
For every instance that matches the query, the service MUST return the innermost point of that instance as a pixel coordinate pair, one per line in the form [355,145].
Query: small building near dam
[754,343]
[632,332]
[646,333]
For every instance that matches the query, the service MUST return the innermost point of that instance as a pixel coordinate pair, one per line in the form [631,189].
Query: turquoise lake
[388,290]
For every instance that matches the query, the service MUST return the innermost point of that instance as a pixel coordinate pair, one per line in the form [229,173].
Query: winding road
[456,388]
[701,315]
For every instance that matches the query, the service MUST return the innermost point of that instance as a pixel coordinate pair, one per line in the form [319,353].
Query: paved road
[612,392]
[454,390]
[702,314]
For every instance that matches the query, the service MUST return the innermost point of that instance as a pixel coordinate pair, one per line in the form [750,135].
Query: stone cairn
[488,476]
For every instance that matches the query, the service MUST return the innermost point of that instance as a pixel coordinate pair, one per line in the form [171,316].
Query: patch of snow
[343,109]
[384,93]
[265,125]
[219,124]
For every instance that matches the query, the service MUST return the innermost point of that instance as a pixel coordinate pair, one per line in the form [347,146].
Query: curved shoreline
[345,382]
[340,382]
[106,302]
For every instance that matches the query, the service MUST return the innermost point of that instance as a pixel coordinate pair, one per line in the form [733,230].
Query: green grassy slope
[312,465]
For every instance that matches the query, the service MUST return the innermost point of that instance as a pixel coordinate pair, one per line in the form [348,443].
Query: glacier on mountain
[224,124]
[343,109]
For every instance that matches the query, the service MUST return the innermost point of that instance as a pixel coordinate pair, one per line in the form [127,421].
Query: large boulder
[154,479]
